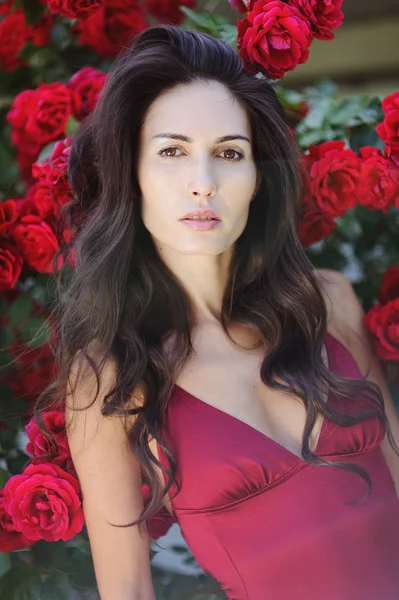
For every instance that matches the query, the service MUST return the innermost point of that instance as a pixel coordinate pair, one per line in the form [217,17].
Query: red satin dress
[269,526]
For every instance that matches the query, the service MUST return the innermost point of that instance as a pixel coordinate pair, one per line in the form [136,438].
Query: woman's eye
[233,151]
[170,149]
[235,155]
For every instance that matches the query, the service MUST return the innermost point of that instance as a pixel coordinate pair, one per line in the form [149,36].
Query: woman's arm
[109,475]
[346,320]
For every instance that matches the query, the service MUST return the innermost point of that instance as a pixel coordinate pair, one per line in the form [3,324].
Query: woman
[206,354]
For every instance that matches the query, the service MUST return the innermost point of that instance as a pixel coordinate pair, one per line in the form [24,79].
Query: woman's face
[196,170]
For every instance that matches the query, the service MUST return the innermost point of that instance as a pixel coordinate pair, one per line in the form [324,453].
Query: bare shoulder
[346,322]
[345,316]
[341,301]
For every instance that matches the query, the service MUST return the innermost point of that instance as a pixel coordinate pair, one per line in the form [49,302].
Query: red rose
[160,523]
[74,9]
[167,11]
[388,130]
[50,107]
[10,538]
[44,503]
[54,170]
[8,215]
[274,36]
[389,289]
[87,84]
[37,243]
[40,444]
[324,15]
[379,180]
[392,155]
[383,322]
[52,190]
[11,263]
[14,34]
[38,117]
[334,173]
[314,225]
[40,201]
[112,27]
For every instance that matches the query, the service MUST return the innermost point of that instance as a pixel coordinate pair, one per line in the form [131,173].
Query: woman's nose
[203,182]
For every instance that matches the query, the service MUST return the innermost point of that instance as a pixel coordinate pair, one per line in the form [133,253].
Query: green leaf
[43,57]
[56,586]
[81,571]
[15,5]
[291,97]
[20,310]
[317,114]
[6,337]
[349,226]
[9,168]
[43,289]
[315,136]
[60,36]
[228,33]
[33,10]
[6,399]
[5,562]
[347,109]
[200,19]
[72,126]
[326,87]
[51,555]
[4,477]
[35,332]
[363,135]
[21,582]
[46,152]
[27,51]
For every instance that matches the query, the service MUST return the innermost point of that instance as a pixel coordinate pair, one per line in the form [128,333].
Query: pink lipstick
[201,220]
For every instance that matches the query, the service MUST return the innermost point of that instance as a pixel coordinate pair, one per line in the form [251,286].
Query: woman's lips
[201,225]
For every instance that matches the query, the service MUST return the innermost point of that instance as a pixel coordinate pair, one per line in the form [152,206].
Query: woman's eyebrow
[219,140]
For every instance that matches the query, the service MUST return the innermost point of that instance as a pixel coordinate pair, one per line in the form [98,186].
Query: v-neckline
[262,435]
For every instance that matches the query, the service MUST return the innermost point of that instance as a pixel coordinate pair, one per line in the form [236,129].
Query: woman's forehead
[196,109]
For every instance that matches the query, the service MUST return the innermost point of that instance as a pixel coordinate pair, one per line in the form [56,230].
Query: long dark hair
[121,302]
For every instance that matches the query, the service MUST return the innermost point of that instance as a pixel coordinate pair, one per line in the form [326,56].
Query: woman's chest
[228,378]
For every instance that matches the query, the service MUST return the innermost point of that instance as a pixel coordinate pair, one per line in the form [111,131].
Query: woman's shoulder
[339,297]
[345,316]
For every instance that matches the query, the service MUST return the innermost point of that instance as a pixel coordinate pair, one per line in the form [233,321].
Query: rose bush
[54,58]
